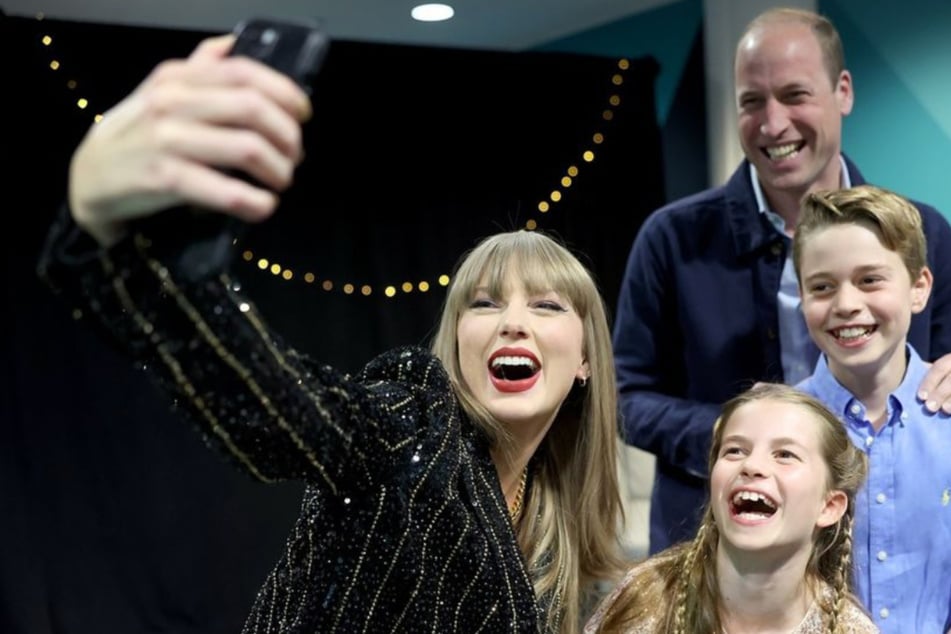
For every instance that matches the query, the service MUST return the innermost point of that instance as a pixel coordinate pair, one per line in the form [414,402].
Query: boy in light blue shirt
[860,258]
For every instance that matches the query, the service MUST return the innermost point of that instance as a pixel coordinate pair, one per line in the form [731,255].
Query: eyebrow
[779,442]
[793,85]
[865,268]
[775,442]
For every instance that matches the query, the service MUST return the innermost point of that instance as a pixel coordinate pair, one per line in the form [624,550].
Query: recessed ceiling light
[432,12]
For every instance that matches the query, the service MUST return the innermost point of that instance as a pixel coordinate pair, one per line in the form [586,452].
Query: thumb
[213,48]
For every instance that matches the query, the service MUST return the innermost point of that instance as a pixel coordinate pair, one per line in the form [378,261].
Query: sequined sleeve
[856,621]
[174,309]
[853,620]
[634,575]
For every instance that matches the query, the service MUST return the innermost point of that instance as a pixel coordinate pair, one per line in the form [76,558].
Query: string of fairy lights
[263,263]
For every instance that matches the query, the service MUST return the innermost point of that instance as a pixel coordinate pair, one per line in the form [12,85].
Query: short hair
[891,217]
[833,55]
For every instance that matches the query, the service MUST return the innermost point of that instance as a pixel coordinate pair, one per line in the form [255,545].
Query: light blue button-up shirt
[796,348]
[902,532]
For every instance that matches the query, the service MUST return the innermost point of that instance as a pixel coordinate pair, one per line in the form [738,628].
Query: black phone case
[295,48]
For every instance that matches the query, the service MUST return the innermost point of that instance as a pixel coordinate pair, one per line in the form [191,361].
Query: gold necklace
[515,511]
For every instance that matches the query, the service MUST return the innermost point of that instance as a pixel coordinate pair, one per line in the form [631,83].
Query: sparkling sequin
[402,526]
[853,620]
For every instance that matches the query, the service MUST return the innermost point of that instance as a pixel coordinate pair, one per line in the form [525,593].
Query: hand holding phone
[294,48]
[113,185]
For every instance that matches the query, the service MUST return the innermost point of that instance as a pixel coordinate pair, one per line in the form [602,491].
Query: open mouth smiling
[783,152]
[847,334]
[513,368]
[752,505]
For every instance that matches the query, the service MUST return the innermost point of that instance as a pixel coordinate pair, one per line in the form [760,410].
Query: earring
[583,381]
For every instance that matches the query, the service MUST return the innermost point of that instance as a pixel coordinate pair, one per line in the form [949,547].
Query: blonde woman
[467,488]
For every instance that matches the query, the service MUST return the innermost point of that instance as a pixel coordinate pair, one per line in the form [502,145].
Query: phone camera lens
[268,36]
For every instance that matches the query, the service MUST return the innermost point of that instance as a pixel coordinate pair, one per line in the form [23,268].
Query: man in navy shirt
[709,303]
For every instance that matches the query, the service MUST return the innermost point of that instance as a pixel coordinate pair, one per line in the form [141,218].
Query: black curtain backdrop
[113,515]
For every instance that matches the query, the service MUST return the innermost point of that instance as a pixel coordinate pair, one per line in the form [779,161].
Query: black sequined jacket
[403,527]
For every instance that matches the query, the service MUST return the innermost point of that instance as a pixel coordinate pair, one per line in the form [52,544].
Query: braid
[693,602]
[682,588]
[683,583]
[841,579]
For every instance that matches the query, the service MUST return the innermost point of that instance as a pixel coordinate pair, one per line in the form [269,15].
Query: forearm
[204,343]
[676,430]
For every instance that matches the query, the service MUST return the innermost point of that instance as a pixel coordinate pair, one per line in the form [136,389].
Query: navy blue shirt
[697,323]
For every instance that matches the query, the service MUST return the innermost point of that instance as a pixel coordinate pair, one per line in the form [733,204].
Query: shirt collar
[838,399]
[763,206]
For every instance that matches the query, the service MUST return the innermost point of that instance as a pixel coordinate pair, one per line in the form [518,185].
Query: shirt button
[856,409]
[880,498]
[904,415]
[869,441]
[882,555]
[883,613]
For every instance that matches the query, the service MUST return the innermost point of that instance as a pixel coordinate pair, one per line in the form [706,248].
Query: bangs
[537,261]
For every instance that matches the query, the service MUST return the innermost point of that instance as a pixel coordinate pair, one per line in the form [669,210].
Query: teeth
[752,496]
[500,361]
[852,333]
[783,151]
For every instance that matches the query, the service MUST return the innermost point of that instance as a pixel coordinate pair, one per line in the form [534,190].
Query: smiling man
[710,301]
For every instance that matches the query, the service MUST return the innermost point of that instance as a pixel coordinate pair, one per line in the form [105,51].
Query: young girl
[773,552]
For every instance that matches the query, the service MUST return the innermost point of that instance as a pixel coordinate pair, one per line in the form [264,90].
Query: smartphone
[295,47]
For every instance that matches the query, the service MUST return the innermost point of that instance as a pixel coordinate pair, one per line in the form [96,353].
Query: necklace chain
[515,510]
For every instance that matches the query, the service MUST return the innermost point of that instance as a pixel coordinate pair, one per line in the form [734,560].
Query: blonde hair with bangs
[569,530]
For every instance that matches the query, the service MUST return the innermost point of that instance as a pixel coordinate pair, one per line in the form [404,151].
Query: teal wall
[899,54]
[899,132]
